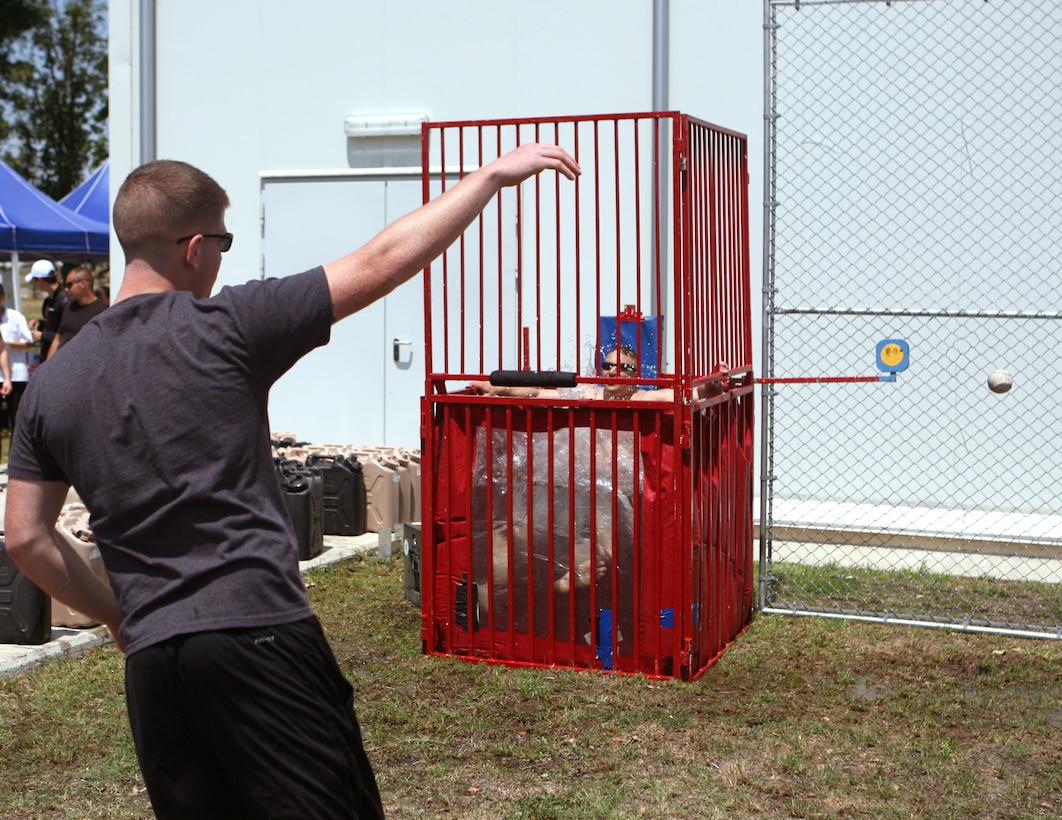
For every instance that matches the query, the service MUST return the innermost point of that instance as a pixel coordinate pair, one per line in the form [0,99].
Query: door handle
[401,349]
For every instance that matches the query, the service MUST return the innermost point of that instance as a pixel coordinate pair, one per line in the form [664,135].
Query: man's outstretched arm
[408,245]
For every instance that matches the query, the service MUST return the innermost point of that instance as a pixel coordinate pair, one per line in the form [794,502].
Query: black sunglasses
[224,239]
[629,369]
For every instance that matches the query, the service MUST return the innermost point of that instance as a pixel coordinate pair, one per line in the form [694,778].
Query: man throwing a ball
[237,705]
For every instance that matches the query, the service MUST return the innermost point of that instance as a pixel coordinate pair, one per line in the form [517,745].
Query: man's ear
[192,249]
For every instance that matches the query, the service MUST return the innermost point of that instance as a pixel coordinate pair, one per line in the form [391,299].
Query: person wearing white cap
[41,269]
[43,277]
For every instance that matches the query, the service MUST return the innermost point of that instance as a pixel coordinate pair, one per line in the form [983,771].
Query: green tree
[16,18]
[56,96]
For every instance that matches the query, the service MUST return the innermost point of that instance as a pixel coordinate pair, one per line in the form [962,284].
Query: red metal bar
[510,576]
[481,225]
[721,254]
[638,229]
[619,225]
[558,321]
[618,606]
[551,543]
[445,270]
[501,275]
[462,269]
[593,511]
[683,252]
[427,550]
[579,364]
[489,517]
[723,508]
[657,295]
[520,270]
[637,525]
[537,185]
[425,195]
[573,623]
[723,227]
[680,605]
[730,341]
[742,216]
[817,379]
[597,242]
[693,279]
[529,517]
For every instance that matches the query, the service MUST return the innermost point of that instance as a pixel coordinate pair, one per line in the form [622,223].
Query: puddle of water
[861,690]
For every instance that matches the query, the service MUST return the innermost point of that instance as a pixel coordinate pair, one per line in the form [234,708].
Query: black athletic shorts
[248,723]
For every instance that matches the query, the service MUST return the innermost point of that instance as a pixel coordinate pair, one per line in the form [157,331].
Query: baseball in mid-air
[1000,381]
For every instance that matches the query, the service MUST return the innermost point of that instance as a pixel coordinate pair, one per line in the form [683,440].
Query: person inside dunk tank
[558,502]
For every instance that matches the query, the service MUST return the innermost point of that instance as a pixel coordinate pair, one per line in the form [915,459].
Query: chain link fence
[913,184]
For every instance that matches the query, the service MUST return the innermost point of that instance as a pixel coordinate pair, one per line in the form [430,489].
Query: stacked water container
[362,488]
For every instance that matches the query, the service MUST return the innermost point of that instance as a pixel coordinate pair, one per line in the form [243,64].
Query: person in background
[157,415]
[43,277]
[18,338]
[84,306]
[102,292]
[5,370]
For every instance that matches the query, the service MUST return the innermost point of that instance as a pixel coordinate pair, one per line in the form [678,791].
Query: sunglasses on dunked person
[629,369]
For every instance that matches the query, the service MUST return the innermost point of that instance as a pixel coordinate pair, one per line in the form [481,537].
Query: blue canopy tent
[92,197]
[33,226]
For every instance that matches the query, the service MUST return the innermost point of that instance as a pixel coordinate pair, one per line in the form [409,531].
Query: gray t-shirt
[156,413]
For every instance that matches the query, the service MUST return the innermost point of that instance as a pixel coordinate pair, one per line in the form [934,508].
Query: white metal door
[355,390]
[403,382]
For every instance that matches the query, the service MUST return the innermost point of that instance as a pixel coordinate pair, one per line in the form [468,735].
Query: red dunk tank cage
[598,513]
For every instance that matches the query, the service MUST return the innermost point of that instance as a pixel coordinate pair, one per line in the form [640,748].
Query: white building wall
[247,86]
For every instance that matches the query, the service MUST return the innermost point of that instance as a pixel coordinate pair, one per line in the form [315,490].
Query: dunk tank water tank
[563,526]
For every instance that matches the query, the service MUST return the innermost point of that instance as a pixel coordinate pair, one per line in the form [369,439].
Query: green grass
[919,594]
[802,717]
